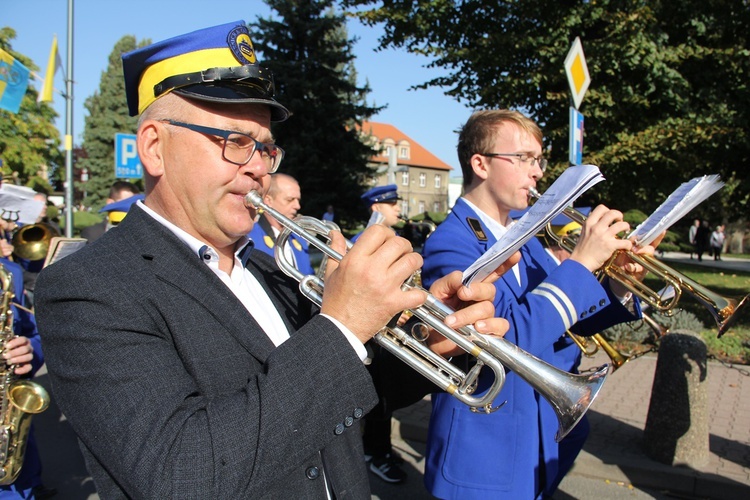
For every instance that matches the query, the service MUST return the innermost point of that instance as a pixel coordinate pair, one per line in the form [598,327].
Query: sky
[427,116]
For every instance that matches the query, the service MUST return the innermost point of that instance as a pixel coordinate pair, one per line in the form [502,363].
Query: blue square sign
[127,162]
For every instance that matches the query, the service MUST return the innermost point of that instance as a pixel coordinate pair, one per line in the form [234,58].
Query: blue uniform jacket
[472,455]
[264,240]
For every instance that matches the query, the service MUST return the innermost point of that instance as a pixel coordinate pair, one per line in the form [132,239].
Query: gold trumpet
[725,311]
[569,394]
[589,346]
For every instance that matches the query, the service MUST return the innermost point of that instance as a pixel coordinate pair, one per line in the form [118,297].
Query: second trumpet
[570,395]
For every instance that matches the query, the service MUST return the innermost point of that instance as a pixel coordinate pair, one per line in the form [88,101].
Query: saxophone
[21,399]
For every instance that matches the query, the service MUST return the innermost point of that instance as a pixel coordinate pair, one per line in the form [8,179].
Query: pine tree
[310,54]
[107,115]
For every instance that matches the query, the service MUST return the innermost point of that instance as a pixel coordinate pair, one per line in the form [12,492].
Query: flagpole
[69,187]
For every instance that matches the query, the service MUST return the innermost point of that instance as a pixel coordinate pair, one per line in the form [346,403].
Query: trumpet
[589,346]
[725,311]
[569,394]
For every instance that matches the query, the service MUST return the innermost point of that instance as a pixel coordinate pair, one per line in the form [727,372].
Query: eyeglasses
[523,158]
[238,148]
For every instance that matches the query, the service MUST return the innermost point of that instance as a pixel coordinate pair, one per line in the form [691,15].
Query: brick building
[422,178]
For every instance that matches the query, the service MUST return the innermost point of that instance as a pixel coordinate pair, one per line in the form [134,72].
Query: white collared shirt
[247,289]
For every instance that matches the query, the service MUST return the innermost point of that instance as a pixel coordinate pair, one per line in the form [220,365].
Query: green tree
[107,115]
[668,99]
[29,140]
[310,54]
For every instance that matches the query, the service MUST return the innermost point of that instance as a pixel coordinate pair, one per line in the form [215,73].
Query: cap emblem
[241,45]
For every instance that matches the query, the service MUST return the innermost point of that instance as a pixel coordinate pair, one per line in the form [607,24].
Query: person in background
[329,214]
[119,190]
[702,240]
[692,232]
[383,203]
[382,460]
[284,195]
[717,242]
[512,452]
[187,364]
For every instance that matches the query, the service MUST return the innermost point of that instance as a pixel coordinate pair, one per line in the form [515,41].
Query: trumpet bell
[32,242]
[727,316]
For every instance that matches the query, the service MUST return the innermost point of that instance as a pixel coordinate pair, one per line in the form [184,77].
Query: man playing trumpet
[186,363]
[512,453]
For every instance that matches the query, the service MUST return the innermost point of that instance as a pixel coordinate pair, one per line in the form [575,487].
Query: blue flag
[14,78]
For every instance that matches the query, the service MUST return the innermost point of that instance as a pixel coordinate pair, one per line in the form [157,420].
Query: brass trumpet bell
[32,242]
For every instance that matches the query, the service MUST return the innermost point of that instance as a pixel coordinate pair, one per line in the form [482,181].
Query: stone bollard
[676,430]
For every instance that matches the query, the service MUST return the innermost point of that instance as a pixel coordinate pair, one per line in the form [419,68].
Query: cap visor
[234,93]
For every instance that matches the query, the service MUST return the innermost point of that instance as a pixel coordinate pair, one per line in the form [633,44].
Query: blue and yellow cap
[119,209]
[215,64]
[381,194]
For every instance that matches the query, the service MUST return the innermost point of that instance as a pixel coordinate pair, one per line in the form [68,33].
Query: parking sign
[127,162]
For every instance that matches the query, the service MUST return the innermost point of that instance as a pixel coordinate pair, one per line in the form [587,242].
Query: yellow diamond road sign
[577,71]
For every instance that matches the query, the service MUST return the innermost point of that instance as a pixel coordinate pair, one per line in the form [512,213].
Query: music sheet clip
[573,182]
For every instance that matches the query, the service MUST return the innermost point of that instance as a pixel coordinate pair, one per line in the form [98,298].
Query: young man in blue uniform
[285,196]
[512,453]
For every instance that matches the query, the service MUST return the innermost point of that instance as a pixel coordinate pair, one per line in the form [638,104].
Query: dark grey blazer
[174,390]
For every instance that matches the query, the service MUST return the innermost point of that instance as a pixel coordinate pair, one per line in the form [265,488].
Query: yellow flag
[46,94]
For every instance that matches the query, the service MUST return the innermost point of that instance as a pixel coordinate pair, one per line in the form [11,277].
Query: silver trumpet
[569,394]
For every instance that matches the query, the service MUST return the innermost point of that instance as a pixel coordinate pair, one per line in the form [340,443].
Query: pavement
[612,465]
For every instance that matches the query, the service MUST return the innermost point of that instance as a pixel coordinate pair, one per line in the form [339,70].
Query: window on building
[422,180]
[405,178]
[387,151]
[405,208]
[436,207]
[438,181]
[421,207]
[403,152]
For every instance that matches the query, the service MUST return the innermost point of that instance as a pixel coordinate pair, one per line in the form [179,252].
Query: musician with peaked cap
[512,452]
[117,210]
[383,202]
[283,195]
[187,364]
[119,191]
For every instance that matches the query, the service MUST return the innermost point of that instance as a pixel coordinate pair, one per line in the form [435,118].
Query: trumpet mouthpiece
[253,199]
[533,193]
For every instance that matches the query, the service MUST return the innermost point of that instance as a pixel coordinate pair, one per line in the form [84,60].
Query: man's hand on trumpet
[363,291]
[598,239]
[473,305]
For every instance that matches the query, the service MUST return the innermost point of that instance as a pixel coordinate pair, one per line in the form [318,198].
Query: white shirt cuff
[358,346]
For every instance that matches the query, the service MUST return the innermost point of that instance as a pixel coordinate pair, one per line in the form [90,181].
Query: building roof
[418,156]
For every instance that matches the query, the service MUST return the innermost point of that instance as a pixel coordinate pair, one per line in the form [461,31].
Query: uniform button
[592,309]
[602,302]
[312,473]
[349,421]
[359,413]
[584,314]
[339,429]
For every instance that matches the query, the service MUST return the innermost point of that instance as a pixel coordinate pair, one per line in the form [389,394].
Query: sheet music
[573,182]
[60,247]
[18,204]
[686,197]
